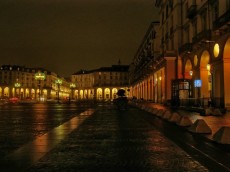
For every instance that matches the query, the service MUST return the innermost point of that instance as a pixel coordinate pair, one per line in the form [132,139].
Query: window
[167,11]
[194,27]
[203,20]
[215,11]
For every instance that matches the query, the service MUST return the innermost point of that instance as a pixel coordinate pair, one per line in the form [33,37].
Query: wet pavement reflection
[30,153]
[112,140]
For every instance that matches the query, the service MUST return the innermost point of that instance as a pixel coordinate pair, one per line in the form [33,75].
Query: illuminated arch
[226,53]
[114,93]
[0,91]
[188,69]
[85,94]
[204,74]
[45,93]
[32,93]
[22,93]
[81,94]
[107,93]
[226,71]
[99,93]
[90,93]
[205,57]
[76,94]
[27,92]
[6,92]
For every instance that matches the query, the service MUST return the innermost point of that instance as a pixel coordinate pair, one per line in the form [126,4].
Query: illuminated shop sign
[197,83]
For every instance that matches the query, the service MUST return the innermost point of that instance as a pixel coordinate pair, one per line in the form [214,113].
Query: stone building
[187,57]
[100,84]
[20,82]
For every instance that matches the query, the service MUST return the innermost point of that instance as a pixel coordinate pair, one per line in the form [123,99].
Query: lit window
[216,50]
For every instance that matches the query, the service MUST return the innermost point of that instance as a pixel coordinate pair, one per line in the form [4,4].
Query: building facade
[100,84]
[189,54]
[20,82]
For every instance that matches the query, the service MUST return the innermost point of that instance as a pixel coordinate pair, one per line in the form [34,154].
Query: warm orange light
[216,50]
[195,60]
[208,67]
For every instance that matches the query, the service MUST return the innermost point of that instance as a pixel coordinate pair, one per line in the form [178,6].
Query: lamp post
[17,85]
[72,86]
[39,76]
[58,82]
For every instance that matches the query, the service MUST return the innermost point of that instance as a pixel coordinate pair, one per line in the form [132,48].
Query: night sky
[65,36]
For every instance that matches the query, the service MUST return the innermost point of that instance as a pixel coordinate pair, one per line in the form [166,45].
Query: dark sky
[65,36]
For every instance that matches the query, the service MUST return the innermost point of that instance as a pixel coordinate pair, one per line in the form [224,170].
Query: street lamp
[39,76]
[72,86]
[58,82]
[17,85]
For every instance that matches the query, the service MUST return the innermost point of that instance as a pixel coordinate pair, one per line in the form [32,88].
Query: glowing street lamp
[58,82]
[39,76]
[17,85]
[72,86]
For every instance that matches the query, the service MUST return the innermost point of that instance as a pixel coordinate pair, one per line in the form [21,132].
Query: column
[170,73]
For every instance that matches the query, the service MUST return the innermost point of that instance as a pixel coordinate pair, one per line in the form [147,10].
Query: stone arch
[114,93]
[107,93]
[226,72]
[81,94]
[76,94]
[45,93]
[204,74]
[22,92]
[85,94]
[6,91]
[27,93]
[1,92]
[99,93]
[188,69]
[33,93]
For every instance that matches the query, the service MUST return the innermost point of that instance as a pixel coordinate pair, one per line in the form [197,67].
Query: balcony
[222,21]
[187,47]
[202,36]
[191,12]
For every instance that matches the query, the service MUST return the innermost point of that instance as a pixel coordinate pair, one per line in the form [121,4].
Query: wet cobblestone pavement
[21,124]
[111,140]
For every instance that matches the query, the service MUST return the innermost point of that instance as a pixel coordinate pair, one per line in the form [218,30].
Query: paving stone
[112,141]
